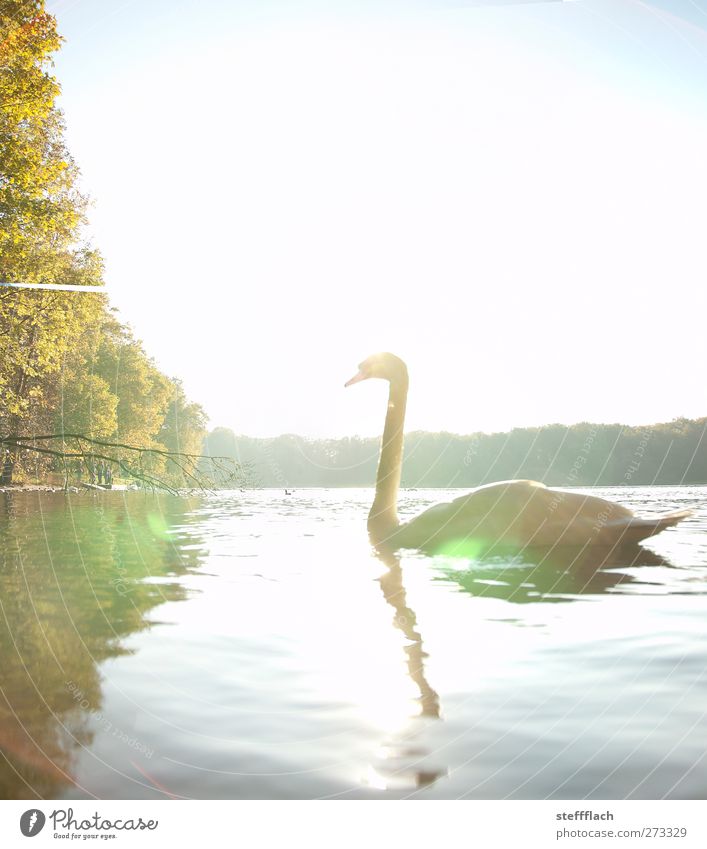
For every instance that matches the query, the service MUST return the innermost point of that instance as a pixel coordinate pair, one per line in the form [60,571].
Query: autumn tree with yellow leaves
[75,386]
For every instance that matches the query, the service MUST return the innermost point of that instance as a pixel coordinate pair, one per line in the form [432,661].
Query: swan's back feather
[637,529]
[522,514]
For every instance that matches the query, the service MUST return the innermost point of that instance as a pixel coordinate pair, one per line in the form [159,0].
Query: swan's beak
[357,378]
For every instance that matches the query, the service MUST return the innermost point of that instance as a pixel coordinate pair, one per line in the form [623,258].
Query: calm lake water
[249,645]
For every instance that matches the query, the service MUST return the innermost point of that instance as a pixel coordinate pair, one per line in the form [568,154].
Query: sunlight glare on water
[251,645]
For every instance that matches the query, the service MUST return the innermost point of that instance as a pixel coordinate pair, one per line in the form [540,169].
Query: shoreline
[47,487]
[73,489]
[36,487]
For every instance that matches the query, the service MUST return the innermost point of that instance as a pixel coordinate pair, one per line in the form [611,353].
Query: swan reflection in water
[551,575]
[547,575]
[400,761]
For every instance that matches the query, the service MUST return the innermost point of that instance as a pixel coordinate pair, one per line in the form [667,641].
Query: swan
[495,518]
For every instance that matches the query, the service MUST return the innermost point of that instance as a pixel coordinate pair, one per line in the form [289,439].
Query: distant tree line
[578,455]
[67,364]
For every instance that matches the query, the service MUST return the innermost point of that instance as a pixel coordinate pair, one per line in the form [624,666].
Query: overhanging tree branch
[197,471]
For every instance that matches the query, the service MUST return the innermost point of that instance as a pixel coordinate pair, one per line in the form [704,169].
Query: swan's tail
[634,530]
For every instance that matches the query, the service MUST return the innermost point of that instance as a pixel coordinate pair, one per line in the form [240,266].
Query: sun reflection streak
[398,763]
[391,583]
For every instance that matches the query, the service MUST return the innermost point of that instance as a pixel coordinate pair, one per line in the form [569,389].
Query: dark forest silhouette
[578,455]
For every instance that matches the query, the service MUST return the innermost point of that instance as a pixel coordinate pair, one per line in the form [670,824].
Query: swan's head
[384,366]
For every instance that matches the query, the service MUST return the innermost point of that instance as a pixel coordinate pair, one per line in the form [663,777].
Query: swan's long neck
[384,512]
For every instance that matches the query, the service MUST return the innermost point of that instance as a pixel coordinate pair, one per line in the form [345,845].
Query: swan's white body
[516,515]
[510,515]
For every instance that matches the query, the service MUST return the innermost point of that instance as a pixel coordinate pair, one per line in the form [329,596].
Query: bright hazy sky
[513,199]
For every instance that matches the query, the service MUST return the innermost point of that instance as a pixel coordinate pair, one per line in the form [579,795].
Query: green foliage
[143,392]
[66,363]
[87,406]
[40,215]
[39,206]
[184,426]
[579,455]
